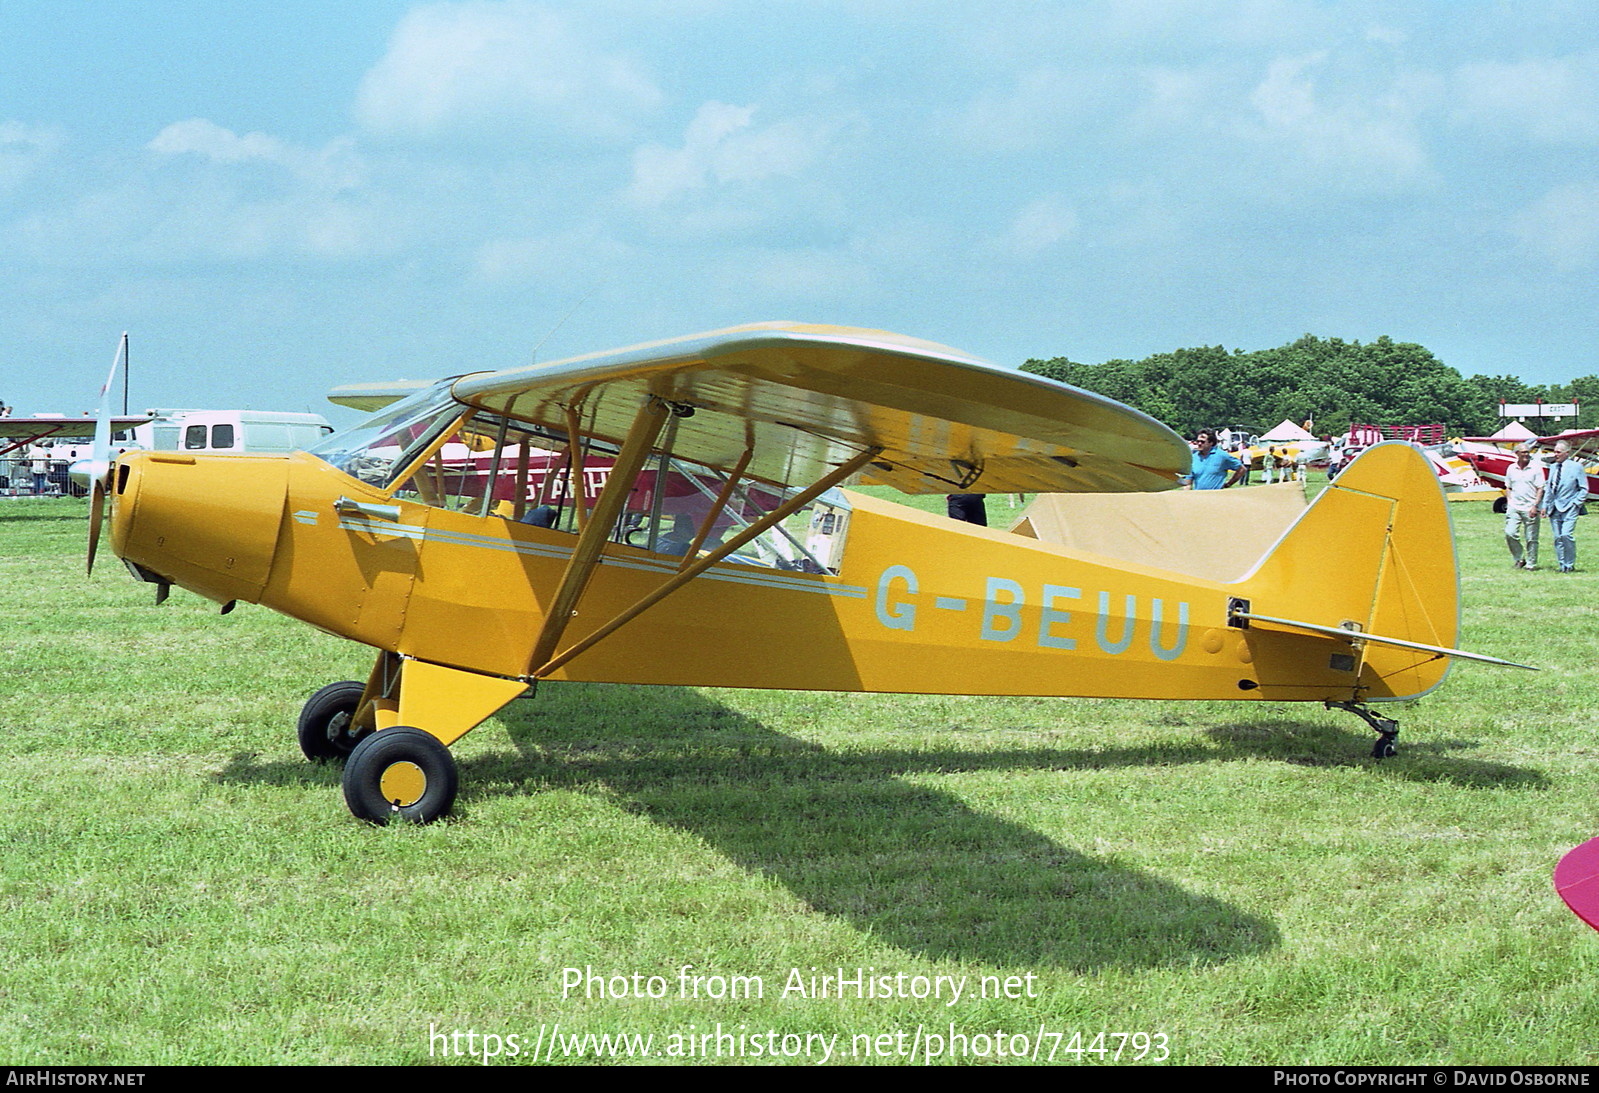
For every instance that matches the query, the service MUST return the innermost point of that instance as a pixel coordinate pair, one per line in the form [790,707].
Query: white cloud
[721,145]
[334,166]
[1038,226]
[1386,35]
[208,139]
[661,173]
[795,278]
[502,66]
[1551,100]
[1342,125]
[23,149]
[904,247]
[1041,108]
[1124,32]
[216,193]
[1286,98]
[1563,226]
[1180,100]
[575,257]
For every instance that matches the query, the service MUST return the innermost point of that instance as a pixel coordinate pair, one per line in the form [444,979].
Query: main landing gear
[400,773]
[1387,729]
[327,721]
[394,732]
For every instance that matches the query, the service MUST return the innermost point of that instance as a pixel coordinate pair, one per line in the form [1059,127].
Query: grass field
[1239,879]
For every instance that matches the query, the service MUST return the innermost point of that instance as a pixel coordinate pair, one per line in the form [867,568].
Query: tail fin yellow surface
[1373,556]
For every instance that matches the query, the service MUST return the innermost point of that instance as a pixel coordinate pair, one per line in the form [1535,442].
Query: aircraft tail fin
[1373,554]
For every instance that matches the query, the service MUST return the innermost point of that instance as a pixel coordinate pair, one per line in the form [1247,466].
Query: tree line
[1327,381]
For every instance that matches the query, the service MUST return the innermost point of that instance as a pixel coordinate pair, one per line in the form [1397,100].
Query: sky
[273,199]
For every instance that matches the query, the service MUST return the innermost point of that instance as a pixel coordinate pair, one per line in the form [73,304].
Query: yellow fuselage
[920,603]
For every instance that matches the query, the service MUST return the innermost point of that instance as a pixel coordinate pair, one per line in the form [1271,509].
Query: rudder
[1375,552]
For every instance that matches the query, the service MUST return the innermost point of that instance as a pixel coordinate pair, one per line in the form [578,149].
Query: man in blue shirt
[1211,465]
[1565,491]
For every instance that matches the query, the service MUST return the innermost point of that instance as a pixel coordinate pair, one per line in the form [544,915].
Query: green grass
[179,886]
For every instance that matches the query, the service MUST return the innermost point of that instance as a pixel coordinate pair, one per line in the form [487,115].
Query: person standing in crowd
[1523,491]
[1210,466]
[1563,495]
[970,507]
[41,469]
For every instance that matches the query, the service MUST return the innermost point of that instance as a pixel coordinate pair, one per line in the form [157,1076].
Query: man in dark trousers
[969,507]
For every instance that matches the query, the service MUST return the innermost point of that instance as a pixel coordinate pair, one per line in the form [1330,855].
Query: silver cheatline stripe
[742,575]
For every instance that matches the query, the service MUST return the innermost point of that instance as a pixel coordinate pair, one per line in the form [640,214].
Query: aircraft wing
[56,427]
[808,398]
[1584,442]
[375,396]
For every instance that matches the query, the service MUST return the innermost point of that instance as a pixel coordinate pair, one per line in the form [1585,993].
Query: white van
[230,431]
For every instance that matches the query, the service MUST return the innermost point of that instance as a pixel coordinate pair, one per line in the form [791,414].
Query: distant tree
[1585,390]
[1498,389]
[1125,381]
[1203,387]
[1328,381]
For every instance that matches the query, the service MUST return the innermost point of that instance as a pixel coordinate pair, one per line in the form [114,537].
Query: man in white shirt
[1523,490]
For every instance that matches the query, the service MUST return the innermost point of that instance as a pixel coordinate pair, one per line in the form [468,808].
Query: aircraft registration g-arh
[670,513]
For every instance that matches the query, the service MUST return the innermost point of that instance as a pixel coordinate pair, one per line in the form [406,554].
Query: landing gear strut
[1387,729]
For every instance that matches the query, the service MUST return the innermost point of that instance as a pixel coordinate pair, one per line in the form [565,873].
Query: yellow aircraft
[670,513]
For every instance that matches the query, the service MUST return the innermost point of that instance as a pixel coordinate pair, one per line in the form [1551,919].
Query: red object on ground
[1577,881]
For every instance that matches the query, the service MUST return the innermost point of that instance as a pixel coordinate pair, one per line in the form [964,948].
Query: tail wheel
[325,722]
[400,773]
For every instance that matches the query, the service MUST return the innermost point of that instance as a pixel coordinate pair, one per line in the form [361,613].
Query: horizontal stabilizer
[1377,639]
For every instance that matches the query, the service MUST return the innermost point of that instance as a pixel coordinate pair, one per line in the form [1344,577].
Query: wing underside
[59,428]
[802,400]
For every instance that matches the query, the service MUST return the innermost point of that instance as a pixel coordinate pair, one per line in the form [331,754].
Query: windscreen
[382,446]
[492,466]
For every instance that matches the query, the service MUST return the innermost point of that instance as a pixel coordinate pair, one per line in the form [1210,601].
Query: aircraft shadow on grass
[913,866]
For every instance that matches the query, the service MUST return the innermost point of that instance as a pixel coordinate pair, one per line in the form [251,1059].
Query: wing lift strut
[1240,616]
[586,556]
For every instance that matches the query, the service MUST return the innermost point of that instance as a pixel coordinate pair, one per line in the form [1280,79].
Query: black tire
[400,773]
[1500,505]
[1384,748]
[324,728]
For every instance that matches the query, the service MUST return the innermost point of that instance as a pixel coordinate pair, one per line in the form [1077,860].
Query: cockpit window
[490,466]
[378,449]
[486,465]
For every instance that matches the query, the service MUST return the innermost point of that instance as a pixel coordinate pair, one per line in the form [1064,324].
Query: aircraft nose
[206,523]
[126,475]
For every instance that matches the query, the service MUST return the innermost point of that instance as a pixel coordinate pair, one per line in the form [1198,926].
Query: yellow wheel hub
[403,783]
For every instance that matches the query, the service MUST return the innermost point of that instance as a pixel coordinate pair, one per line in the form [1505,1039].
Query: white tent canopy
[1285,432]
[1514,430]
